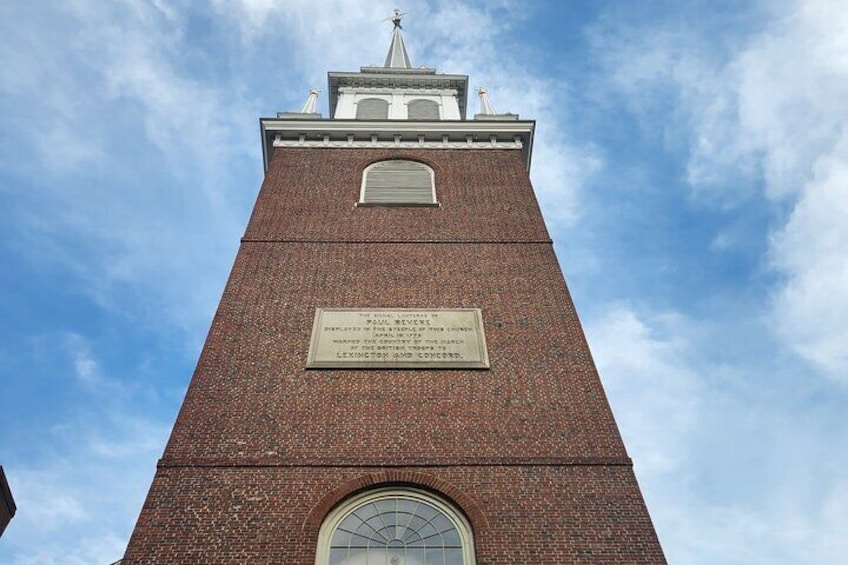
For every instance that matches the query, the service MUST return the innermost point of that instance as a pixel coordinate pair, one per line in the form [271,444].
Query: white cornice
[388,90]
[516,144]
[403,126]
[459,134]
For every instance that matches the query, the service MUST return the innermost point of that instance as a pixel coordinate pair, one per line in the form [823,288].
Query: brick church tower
[396,374]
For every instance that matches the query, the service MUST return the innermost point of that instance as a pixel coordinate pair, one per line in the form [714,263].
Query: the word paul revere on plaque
[375,338]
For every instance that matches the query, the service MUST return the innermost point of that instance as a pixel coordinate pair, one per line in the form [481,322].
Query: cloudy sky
[691,161]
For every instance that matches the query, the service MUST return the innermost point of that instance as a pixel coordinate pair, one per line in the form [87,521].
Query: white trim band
[402,144]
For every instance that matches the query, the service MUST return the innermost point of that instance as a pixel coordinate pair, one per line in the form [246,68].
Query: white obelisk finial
[486,107]
[309,107]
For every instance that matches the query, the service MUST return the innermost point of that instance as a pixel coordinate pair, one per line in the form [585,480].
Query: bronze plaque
[387,338]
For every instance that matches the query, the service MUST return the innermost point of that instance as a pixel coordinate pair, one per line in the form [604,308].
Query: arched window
[394,526]
[372,109]
[423,110]
[398,182]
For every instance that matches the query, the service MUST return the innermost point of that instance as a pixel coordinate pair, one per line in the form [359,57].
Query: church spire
[397,57]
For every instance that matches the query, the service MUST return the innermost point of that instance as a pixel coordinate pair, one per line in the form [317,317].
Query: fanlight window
[396,527]
[398,182]
[372,109]
[423,110]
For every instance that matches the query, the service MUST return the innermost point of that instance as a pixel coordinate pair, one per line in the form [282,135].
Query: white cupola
[397,91]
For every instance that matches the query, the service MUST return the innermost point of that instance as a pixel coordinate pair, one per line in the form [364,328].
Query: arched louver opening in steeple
[398,182]
[372,109]
[423,110]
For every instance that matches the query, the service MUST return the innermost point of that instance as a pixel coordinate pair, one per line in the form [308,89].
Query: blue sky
[691,161]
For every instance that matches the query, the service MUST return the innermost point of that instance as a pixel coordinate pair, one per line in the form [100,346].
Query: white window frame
[340,512]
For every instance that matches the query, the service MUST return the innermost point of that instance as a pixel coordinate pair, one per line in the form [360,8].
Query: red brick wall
[528,449]
[535,515]
[310,194]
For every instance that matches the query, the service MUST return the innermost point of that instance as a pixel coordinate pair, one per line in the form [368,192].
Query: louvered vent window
[372,109]
[398,182]
[423,110]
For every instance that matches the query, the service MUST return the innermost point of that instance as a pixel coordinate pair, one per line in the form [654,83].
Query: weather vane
[396,18]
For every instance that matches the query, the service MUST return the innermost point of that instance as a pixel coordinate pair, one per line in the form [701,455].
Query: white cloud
[648,380]
[45,502]
[780,99]
[768,113]
[468,39]
[86,368]
[322,33]
[131,151]
[99,550]
[731,471]
[73,493]
[787,92]
[811,307]
[40,95]
[79,489]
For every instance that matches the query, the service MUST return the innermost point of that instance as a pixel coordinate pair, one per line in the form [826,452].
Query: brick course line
[568,462]
[405,241]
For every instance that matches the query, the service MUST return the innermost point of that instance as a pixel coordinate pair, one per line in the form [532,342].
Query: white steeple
[397,57]
[396,90]
[396,105]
